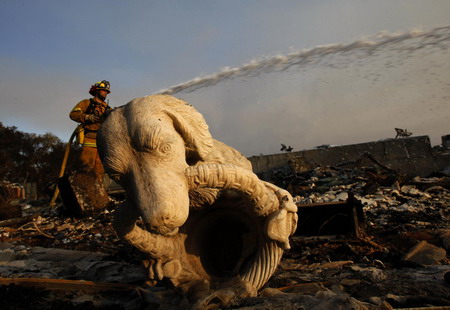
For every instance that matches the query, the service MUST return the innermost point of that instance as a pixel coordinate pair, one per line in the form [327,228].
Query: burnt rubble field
[382,243]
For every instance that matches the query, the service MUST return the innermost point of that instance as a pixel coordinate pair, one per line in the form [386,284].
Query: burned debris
[399,234]
[8,194]
[368,237]
[82,194]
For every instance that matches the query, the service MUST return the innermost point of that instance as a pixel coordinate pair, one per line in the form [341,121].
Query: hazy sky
[52,51]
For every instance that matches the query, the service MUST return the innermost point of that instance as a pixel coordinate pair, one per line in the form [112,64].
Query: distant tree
[10,154]
[28,157]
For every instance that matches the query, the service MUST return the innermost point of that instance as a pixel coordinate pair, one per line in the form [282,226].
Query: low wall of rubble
[411,156]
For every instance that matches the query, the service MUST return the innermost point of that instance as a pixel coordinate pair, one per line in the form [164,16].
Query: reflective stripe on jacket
[90,144]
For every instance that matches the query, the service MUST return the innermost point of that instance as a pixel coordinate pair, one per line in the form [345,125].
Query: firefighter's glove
[91,119]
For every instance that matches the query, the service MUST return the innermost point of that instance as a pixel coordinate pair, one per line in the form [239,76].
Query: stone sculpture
[194,206]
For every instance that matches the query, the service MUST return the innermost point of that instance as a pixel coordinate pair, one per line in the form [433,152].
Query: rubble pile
[401,257]
[389,202]
[398,259]
[51,227]
[9,192]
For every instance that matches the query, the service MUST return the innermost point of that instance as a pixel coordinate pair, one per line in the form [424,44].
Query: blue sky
[52,51]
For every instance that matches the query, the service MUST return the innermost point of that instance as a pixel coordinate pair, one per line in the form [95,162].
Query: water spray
[433,37]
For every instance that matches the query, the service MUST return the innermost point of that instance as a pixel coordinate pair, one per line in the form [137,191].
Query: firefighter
[91,114]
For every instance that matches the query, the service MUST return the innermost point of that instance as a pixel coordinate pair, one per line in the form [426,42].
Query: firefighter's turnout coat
[89,159]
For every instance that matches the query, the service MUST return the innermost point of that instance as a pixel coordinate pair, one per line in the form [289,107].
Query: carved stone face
[146,155]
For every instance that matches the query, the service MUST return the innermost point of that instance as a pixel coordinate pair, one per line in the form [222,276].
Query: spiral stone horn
[254,209]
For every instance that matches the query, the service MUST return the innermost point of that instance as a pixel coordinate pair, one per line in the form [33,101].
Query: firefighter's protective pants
[89,159]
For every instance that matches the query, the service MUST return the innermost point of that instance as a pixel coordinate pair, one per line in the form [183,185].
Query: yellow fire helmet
[102,85]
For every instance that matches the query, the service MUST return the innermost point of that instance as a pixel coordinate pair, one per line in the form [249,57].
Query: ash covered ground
[396,258]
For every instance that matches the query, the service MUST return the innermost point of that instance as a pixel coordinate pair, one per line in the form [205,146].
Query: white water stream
[332,94]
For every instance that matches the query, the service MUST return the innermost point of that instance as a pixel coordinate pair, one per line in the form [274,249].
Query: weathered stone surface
[207,218]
